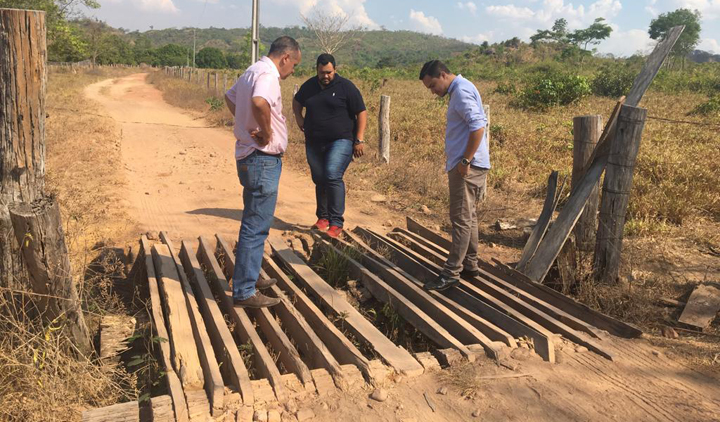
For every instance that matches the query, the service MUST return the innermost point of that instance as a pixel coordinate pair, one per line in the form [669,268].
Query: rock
[656,353]
[521,354]
[581,349]
[669,332]
[291,406]
[425,210]
[378,198]
[504,225]
[526,222]
[443,391]
[388,223]
[151,236]
[273,416]
[380,394]
[260,416]
[212,154]
[304,415]
[476,413]
[324,406]
[183,152]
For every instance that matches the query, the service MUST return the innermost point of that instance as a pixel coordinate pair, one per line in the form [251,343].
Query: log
[23,74]
[616,193]
[586,133]
[395,356]
[38,229]
[384,128]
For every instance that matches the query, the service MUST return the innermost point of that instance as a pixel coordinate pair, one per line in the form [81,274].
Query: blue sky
[472,21]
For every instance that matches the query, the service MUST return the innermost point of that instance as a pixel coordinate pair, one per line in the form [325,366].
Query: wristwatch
[358,141]
[465,161]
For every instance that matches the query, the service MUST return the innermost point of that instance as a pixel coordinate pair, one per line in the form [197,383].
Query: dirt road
[181,178]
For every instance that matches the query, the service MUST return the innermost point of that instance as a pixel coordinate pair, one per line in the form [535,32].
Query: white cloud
[550,10]
[650,8]
[422,23]
[469,6]
[710,9]
[709,44]
[510,11]
[353,8]
[477,39]
[156,5]
[627,43]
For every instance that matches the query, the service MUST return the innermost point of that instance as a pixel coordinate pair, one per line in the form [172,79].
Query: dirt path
[181,178]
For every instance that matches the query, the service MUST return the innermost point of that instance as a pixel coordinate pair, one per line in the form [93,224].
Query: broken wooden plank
[488,308]
[511,304]
[543,222]
[214,385]
[244,328]
[225,347]
[395,356]
[540,291]
[173,381]
[342,350]
[405,308]
[161,409]
[462,324]
[702,306]
[224,254]
[122,412]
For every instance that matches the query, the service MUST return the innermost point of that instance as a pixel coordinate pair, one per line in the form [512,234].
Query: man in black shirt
[334,127]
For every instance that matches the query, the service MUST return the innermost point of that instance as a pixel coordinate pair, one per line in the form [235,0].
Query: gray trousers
[465,192]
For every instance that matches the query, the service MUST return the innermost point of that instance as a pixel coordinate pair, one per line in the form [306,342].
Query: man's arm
[230,104]
[297,111]
[360,133]
[472,146]
[261,112]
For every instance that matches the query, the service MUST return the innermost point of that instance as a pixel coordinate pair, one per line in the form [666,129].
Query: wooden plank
[540,291]
[122,412]
[224,254]
[486,277]
[430,235]
[702,306]
[341,348]
[287,353]
[521,310]
[173,381]
[244,329]
[214,385]
[161,409]
[492,310]
[542,224]
[225,347]
[405,308]
[182,344]
[395,356]
[444,311]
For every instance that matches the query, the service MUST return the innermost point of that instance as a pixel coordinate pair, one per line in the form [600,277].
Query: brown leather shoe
[258,300]
[265,283]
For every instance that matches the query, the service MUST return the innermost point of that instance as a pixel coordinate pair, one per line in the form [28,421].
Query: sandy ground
[181,178]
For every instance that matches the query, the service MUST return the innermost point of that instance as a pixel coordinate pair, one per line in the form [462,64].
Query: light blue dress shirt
[465,114]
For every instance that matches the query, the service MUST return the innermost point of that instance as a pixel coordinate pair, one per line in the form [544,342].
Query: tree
[593,34]
[333,31]
[143,51]
[557,34]
[211,58]
[171,55]
[560,28]
[690,37]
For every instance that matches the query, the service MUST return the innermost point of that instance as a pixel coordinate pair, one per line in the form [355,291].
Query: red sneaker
[322,224]
[334,231]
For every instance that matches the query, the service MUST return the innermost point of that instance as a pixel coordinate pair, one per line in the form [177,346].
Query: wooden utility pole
[384,128]
[586,133]
[616,192]
[22,127]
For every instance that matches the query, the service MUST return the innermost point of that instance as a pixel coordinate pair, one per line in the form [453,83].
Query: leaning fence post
[616,192]
[384,128]
[586,133]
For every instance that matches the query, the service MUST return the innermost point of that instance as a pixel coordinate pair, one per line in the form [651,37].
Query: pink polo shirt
[261,79]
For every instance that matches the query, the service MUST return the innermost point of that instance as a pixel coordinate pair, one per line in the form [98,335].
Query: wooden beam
[542,224]
[702,307]
[225,347]
[461,323]
[405,308]
[158,322]
[521,310]
[244,329]
[341,348]
[214,385]
[492,310]
[122,412]
[395,356]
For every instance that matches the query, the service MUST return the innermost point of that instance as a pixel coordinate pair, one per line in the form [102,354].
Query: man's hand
[261,138]
[301,123]
[358,150]
[463,170]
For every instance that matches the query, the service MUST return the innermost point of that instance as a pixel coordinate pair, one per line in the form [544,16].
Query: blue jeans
[328,162]
[259,175]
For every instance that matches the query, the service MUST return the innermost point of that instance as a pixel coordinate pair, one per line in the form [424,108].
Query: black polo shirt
[330,113]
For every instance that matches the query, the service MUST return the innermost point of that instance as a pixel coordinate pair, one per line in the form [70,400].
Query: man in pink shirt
[261,140]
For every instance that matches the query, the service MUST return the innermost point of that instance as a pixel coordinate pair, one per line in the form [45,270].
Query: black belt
[258,152]
[478,168]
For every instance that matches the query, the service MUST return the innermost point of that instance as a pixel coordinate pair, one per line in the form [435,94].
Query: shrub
[553,89]
[709,108]
[613,81]
[215,103]
[505,88]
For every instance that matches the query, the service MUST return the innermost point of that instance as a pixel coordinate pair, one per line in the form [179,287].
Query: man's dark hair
[433,69]
[324,59]
[283,45]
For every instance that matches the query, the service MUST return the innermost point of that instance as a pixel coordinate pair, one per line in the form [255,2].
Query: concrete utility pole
[255,33]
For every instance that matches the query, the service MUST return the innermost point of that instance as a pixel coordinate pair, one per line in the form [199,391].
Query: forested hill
[367,48]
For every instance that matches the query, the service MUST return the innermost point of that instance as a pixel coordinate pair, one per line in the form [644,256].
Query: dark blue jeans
[328,162]
[259,176]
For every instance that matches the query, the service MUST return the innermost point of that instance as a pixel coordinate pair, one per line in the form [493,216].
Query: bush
[709,108]
[613,81]
[505,88]
[553,89]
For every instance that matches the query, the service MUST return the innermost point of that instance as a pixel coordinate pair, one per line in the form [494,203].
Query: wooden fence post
[486,109]
[586,133]
[616,192]
[225,88]
[384,128]
[207,85]
[216,83]
[22,127]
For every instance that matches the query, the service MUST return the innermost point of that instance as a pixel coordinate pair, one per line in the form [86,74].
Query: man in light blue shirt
[467,165]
